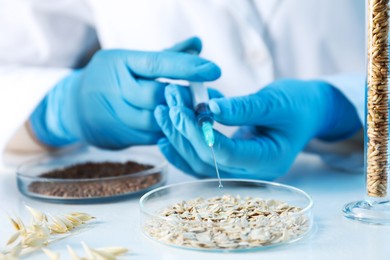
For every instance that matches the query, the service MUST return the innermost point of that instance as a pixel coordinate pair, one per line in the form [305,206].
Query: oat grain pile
[377,98]
[228,222]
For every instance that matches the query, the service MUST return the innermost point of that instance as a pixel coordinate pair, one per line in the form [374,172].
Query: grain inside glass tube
[377,98]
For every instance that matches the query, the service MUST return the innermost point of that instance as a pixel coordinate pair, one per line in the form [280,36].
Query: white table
[333,237]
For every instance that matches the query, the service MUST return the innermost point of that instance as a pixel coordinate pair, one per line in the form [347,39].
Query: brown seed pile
[52,187]
[377,98]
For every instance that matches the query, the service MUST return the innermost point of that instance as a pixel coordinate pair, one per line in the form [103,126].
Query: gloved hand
[276,124]
[110,102]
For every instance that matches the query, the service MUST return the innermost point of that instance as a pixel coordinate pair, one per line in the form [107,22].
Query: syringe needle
[216,169]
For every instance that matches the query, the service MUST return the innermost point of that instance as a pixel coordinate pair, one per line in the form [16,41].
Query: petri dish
[33,180]
[191,233]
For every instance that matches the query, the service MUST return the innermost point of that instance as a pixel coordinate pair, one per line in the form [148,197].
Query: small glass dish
[150,173]
[204,234]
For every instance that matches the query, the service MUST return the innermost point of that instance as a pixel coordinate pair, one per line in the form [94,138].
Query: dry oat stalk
[377,98]
[228,222]
[42,231]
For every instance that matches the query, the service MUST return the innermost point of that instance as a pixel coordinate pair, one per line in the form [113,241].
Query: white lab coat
[254,42]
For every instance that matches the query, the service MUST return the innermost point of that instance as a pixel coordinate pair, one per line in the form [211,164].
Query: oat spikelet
[82,216]
[87,250]
[102,255]
[13,238]
[114,250]
[58,226]
[33,240]
[30,238]
[17,224]
[75,220]
[72,253]
[106,253]
[41,231]
[69,225]
[38,216]
[15,251]
[52,255]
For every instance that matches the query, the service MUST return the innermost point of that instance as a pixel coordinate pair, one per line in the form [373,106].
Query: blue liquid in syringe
[205,122]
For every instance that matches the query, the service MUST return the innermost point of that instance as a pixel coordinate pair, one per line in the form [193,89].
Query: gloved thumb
[245,110]
[190,45]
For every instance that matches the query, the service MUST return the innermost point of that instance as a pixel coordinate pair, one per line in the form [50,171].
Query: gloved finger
[174,157]
[138,92]
[186,154]
[193,44]
[176,95]
[172,65]
[183,119]
[255,109]
[233,155]
[117,135]
[143,93]
[181,145]
[132,117]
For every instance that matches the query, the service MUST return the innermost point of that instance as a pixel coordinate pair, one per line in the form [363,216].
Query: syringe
[204,116]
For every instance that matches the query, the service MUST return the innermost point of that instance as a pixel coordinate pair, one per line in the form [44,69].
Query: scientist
[110,101]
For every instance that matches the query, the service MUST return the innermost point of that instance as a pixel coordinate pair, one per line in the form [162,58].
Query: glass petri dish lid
[91,175]
[245,215]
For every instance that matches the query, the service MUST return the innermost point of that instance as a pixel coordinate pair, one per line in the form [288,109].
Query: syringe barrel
[203,113]
[199,93]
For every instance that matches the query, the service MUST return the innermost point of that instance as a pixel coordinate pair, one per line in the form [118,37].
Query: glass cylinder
[377,99]
[375,208]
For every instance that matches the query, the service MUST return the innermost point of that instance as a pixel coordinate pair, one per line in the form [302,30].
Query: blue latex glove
[110,102]
[276,124]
